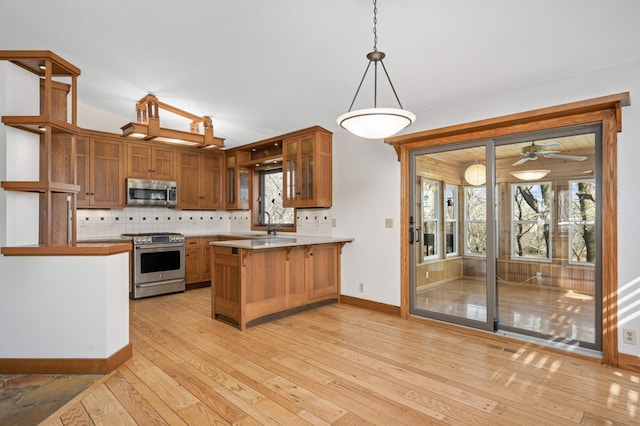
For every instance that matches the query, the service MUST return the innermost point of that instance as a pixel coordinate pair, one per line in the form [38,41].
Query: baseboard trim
[200,284]
[65,365]
[369,304]
[629,362]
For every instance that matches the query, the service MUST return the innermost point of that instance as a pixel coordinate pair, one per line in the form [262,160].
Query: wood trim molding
[371,305]
[614,102]
[605,110]
[66,365]
[629,362]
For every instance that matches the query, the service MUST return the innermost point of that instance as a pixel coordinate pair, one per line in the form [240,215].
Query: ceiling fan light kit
[531,174]
[376,123]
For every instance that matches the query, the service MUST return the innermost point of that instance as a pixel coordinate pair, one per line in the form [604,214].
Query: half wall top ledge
[522,121]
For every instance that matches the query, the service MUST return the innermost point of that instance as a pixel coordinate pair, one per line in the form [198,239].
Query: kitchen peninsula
[258,279]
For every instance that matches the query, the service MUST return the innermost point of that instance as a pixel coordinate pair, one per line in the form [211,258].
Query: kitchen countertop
[262,241]
[79,249]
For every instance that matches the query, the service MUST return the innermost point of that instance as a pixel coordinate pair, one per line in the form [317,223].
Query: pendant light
[536,174]
[376,123]
[476,174]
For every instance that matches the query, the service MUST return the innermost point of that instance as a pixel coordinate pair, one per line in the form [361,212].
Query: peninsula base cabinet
[252,286]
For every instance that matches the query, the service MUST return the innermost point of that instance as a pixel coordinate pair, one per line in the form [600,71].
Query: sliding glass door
[506,235]
[452,237]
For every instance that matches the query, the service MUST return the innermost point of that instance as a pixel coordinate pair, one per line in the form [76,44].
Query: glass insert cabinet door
[505,235]
[450,238]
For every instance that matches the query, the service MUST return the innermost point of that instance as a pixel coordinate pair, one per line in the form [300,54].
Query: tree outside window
[531,221]
[582,221]
[451,219]
[430,218]
[270,200]
[475,207]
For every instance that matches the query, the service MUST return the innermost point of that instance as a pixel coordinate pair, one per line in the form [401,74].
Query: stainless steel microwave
[146,192]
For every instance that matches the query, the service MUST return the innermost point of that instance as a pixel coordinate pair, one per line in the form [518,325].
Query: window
[531,221]
[582,222]
[430,218]
[270,201]
[475,207]
[451,219]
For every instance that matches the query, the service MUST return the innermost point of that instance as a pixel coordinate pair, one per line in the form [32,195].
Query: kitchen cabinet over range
[200,180]
[146,161]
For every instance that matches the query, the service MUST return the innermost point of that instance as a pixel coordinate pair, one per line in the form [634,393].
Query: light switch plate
[388,223]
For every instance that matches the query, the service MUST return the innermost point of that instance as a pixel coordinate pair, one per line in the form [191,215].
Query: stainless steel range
[158,263]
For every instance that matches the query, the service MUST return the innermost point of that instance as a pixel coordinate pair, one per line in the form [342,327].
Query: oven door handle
[159,246]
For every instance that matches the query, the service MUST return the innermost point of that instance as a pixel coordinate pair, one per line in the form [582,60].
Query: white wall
[84,314]
[19,156]
[367,185]
[50,306]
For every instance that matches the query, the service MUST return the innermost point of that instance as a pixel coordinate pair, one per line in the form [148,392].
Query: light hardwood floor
[342,365]
[528,307]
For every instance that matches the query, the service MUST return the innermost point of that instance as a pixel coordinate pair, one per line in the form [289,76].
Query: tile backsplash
[96,224]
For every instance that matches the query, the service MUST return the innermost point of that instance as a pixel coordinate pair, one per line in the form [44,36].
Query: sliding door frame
[605,110]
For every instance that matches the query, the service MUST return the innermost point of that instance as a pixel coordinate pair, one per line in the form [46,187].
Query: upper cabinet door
[200,180]
[146,161]
[106,177]
[211,182]
[307,170]
[163,163]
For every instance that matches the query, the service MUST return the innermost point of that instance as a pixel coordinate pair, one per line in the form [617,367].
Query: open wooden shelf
[32,60]
[34,123]
[56,126]
[263,161]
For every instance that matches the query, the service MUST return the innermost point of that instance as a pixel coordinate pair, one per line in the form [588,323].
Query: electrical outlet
[426,274]
[629,336]
[333,223]
[361,287]
[538,275]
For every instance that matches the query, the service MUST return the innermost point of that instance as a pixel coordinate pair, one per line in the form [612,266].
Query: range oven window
[159,261]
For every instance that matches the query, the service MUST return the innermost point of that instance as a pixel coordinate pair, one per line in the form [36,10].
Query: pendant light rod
[375,56]
[376,123]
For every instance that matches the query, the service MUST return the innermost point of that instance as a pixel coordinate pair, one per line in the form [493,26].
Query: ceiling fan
[534,150]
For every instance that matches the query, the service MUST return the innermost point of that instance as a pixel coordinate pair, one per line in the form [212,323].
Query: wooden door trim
[605,110]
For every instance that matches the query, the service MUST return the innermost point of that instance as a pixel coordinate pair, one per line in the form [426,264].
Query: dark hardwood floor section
[341,365]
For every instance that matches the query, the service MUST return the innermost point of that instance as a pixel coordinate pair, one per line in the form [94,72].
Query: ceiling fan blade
[551,144]
[522,161]
[566,157]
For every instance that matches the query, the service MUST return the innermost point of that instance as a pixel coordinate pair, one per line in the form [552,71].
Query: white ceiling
[262,68]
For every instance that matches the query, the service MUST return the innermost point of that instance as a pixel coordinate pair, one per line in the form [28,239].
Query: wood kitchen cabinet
[100,172]
[198,260]
[237,180]
[145,161]
[252,285]
[307,170]
[200,180]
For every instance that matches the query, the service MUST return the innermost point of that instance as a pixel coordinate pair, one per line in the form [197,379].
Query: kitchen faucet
[270,229]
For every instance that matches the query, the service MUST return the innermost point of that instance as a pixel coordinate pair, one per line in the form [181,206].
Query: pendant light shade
[531,174]
[376,123]
[476,174]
